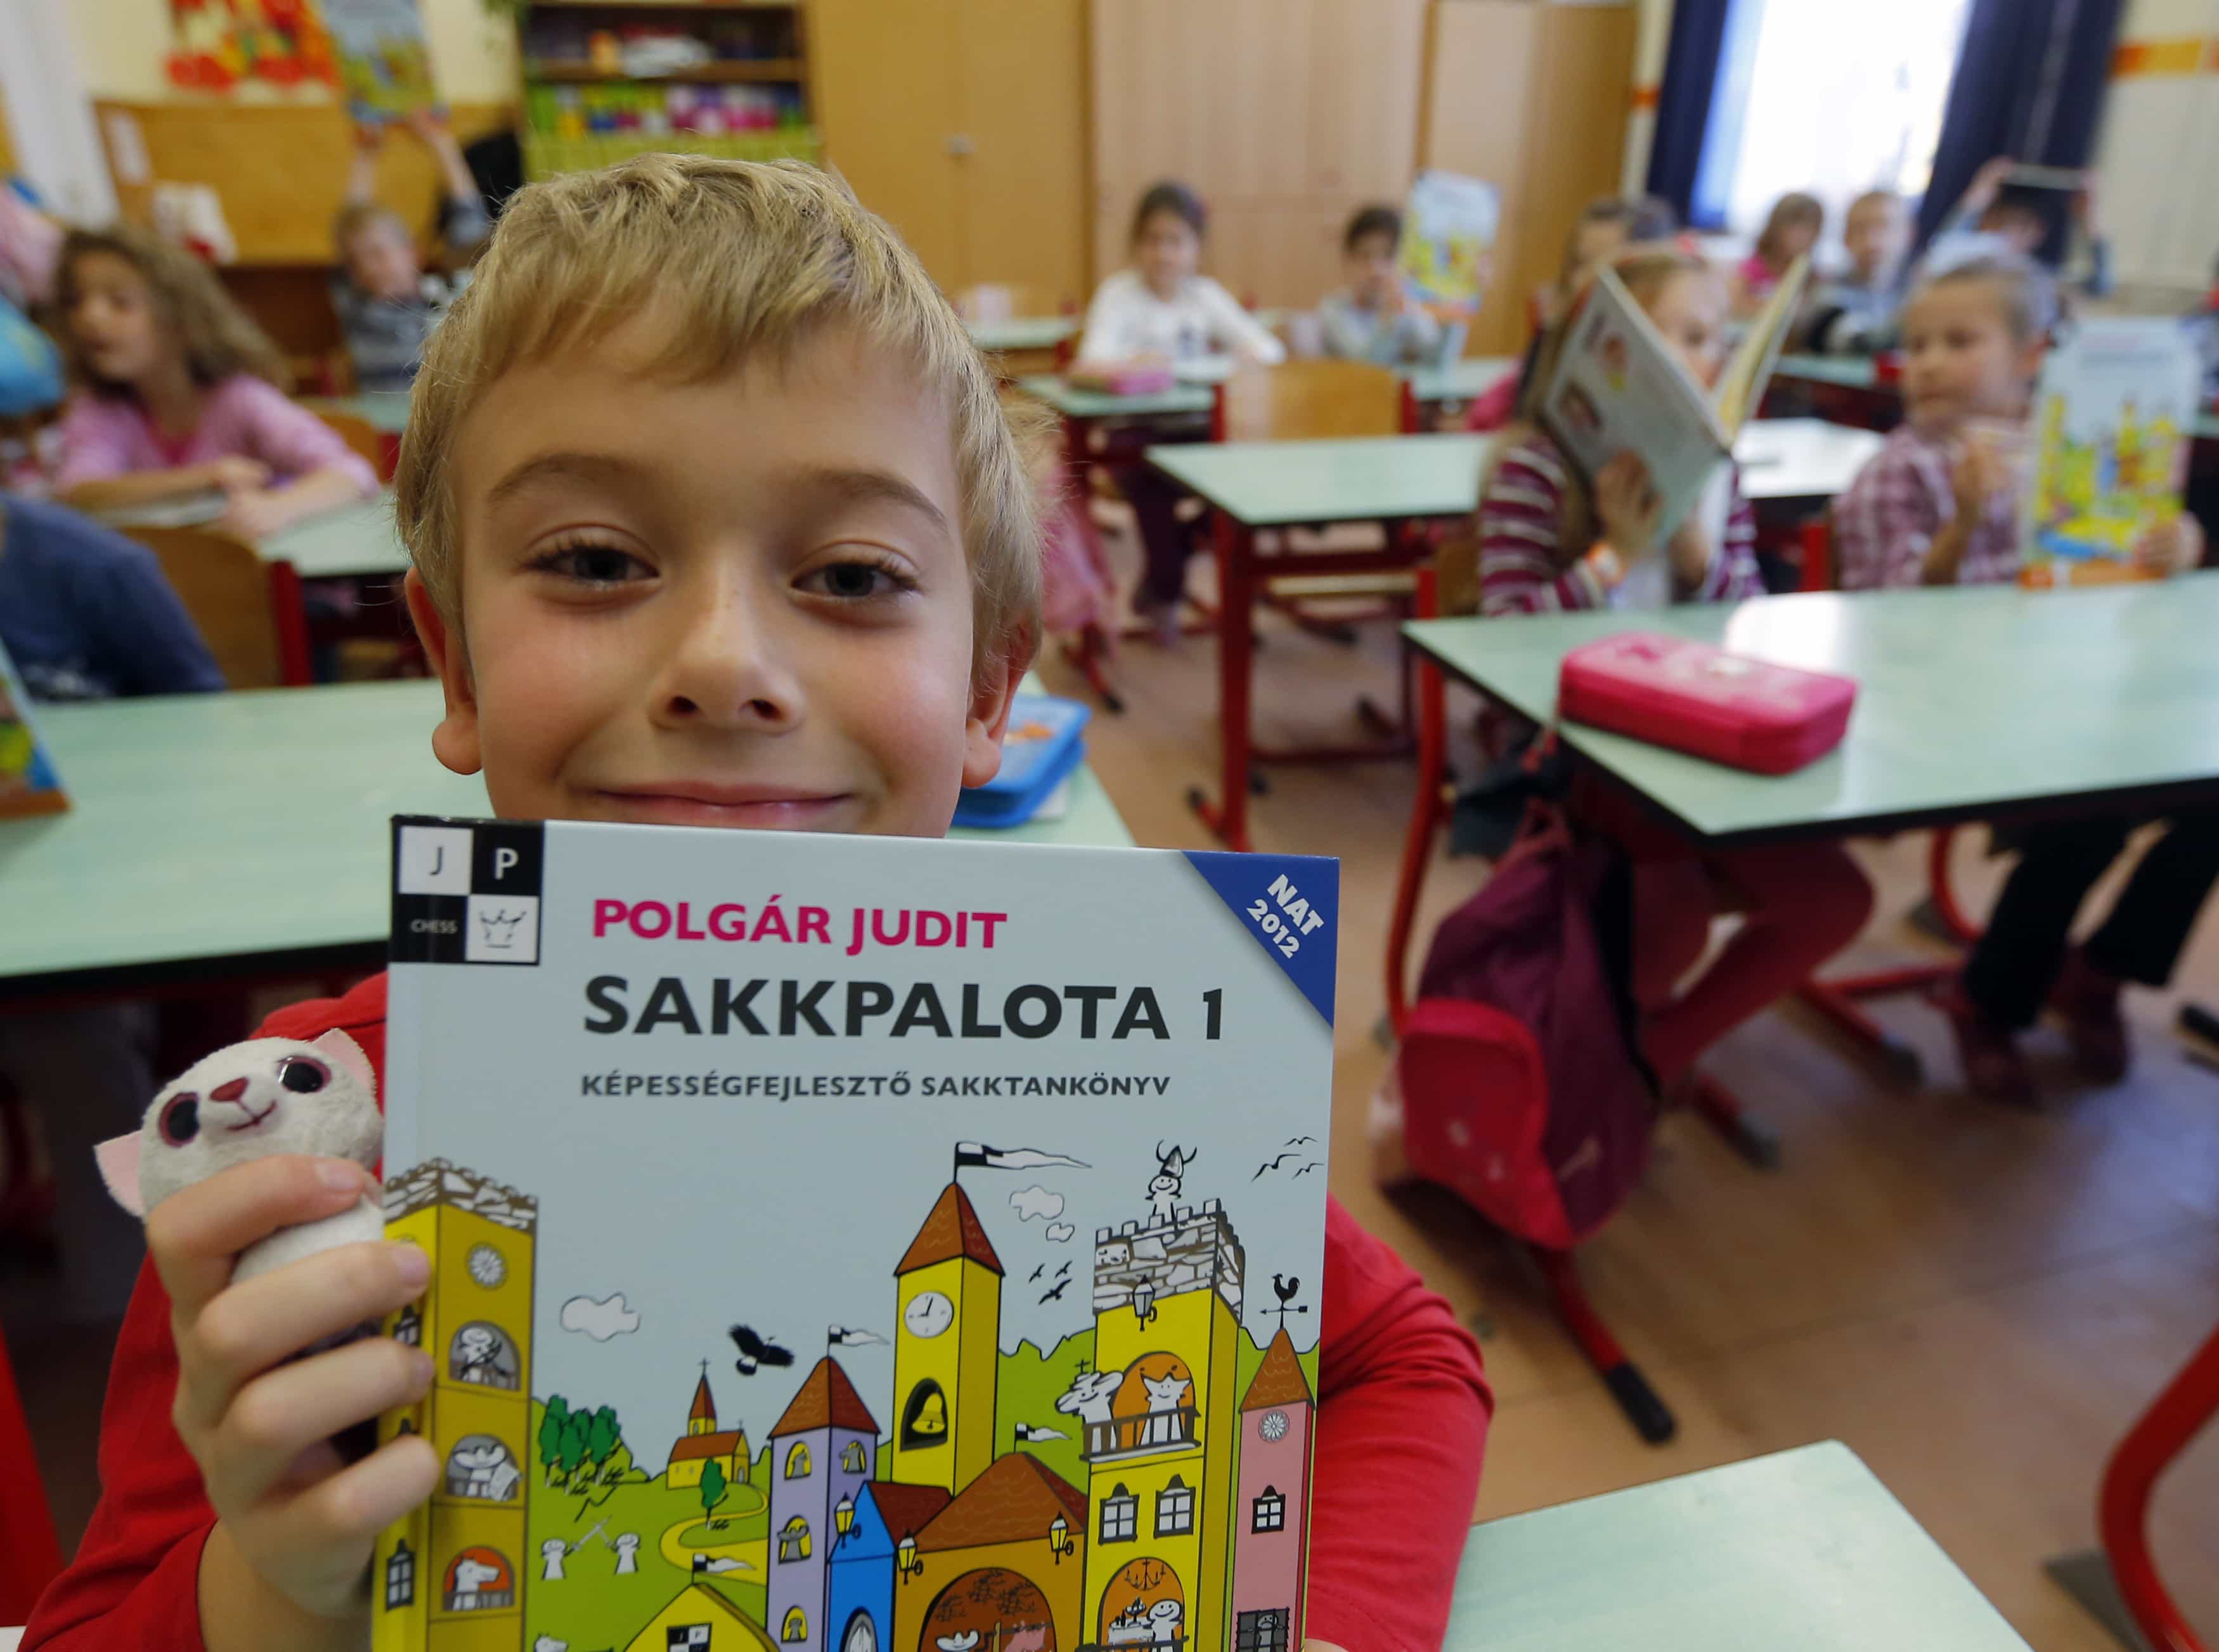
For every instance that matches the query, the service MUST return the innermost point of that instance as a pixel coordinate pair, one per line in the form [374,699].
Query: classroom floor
[1978,1301]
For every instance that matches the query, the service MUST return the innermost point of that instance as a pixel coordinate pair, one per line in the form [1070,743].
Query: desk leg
[290,615]
[1236,649]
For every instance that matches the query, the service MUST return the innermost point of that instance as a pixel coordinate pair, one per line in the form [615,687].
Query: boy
[715,521]
[386,303]
[1997,215]
[1371,319]
[1854,314]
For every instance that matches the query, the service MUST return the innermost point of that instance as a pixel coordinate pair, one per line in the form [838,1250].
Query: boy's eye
[595,565]
[856,580]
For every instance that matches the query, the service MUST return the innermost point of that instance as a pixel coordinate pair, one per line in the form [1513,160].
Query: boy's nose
[729,670]
[230,1092]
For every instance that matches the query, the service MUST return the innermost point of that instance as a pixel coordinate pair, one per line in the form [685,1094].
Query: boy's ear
[992,691]
[455,741]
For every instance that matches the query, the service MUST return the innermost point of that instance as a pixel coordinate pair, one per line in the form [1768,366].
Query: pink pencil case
[1695,697]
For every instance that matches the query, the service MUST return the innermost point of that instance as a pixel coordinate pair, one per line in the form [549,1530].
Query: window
[1269,1511]
[482,1355]
[797,1626]
[409,1327]
[1121,1516]
[1800,102]
[479,1580]
[851,1460]
[684,1637]
[482,1468]
[1174,1510]
[797,1461]
[1261,1632]
[794,1539]
[401,1576]
[924,1418]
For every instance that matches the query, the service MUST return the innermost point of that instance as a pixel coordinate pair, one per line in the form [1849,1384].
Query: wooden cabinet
[1286,115]
[963,122]
[1534,98]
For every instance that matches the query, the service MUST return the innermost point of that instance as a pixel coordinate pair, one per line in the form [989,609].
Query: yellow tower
[946,1349]
[1160,1443]
[450,1577]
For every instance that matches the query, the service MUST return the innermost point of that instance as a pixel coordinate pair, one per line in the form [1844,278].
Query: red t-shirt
[1402,1423]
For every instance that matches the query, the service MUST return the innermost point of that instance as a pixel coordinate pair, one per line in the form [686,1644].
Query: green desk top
[1803,1549]
[1461,380]
[251,827]
[1853,372]
[356,540]
[1025,332]
[1074,403]
[385,410]
[1972,702]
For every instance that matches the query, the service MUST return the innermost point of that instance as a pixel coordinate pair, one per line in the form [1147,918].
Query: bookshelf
[607,79]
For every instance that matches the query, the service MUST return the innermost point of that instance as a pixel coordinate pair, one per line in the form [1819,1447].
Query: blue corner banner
[1291,904]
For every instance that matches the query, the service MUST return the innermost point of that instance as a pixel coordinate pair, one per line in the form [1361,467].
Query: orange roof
[1014,1499]
[709,1445]
[705,1408]
[827,1400]
[1280,1380]
[907,1509]
[953,1229]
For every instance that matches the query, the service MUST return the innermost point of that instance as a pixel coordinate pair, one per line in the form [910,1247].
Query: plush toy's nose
[230,1092]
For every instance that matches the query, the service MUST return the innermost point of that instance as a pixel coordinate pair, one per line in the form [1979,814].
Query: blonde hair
[735,257]
[1645,270]
[357,217]
[219,337]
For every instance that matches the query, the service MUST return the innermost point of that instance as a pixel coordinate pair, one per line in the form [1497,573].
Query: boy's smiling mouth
[709,803]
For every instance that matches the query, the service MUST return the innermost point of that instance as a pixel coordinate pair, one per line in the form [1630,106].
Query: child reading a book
[1163,311]
[386,302]
[1853,314]
[638,618]
[1551,539]
[181,395]
[1371,318]
[1791,230]
[1939,505]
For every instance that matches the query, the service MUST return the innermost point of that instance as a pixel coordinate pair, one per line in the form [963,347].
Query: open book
[820,1271]
[1618,388]
[385,65]
[1448,239]
[2113,418]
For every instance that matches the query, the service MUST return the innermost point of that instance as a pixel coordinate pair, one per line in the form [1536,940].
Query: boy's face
[1370,267]
[743,602]
[1876,235]
[381,261]
[1960,359]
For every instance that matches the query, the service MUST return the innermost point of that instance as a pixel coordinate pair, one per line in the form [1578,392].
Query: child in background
[1164,311]
[1938,504]
[385,302]
[1371,318]
[1550,541]
[1791,230]
[180,394]
[1998,216]
[1854,314]
[718,490]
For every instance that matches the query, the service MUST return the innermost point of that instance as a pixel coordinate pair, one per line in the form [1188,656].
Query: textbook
[385,65]
[2115,413]
[29,784]
[1449,225]
[856,1243]
[1617,387]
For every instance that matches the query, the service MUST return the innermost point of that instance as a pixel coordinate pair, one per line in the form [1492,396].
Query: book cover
[2115,413]
[29,782]
[385,65]
[848,1244]
[1617,387]
[1449,225]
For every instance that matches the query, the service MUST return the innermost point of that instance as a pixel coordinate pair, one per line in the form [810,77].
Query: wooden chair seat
[260,640]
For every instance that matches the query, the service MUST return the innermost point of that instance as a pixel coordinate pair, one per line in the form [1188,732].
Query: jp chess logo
[466,893]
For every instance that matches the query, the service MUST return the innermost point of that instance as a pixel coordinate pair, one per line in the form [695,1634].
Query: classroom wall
[2157,155]
[1652,36]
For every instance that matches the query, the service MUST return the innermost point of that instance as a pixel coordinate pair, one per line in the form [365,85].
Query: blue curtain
[2029,84]
[1683,102]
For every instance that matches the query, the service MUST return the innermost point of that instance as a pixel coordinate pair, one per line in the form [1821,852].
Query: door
[885,78]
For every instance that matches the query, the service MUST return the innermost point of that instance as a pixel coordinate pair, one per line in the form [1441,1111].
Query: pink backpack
[1522,1089]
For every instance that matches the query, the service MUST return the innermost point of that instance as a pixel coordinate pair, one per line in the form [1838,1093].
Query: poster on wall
[220,44]
[385,67]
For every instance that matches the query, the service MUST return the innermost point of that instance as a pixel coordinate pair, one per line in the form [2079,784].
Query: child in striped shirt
[1550,539]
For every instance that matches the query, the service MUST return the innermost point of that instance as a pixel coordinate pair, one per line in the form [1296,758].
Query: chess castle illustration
[907,1534]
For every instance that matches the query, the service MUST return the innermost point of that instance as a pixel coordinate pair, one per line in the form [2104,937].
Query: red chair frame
[2186,1405]
[30,1555]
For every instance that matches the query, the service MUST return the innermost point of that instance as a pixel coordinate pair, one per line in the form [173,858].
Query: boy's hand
[256,515]
[1988,182]
[260,1427]
[2165,549]
[1627,506]
[236,474]
[369,137]
[1981,472]
[431,128]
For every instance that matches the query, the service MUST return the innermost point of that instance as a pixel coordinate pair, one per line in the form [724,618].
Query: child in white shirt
[1371,319]
[1164,310]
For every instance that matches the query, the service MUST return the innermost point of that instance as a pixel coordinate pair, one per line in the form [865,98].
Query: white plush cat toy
[246,1102]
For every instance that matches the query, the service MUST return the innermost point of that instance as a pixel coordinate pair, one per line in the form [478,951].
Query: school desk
[1459,380]
[1028,333]
[244,836]
[1879,401]
[386,411]
[1397,481]
[354,542]
[1803,1549]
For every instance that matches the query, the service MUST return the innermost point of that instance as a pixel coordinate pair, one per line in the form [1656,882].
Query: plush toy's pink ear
[347,1055]
[118,1159]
